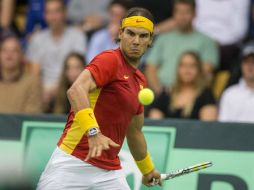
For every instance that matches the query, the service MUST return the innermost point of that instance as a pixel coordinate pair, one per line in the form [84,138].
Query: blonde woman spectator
[73,65]
[189,97]
[20,93]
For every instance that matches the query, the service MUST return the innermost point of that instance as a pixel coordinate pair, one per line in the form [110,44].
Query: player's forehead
[137,30]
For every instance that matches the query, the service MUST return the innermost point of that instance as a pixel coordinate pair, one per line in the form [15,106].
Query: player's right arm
[78,92]
[79,100]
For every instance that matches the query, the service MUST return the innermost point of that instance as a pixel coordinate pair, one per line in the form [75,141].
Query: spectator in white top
[237,102]
[48,48]
[226,22]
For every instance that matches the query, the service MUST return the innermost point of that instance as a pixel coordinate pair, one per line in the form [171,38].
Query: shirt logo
[125,77]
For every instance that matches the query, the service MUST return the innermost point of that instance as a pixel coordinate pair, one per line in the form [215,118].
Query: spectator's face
[248,68]
[134,41]
[10,54]
[116,13]
[183,15]
[74,68]
[188,70]
[54,14]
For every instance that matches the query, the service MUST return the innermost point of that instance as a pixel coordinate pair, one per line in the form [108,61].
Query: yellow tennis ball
[146,96]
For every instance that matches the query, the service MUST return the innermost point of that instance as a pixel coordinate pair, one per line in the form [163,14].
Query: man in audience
[163,57]
[227,23]
[20,92]
[106,38]
[48,48]
[237,102]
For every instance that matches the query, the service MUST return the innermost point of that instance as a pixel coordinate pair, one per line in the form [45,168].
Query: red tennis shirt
[114,103]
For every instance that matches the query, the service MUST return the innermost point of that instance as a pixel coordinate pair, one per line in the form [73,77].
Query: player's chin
[135,55]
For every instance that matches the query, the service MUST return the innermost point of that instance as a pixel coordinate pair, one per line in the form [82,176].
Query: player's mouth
[134,50]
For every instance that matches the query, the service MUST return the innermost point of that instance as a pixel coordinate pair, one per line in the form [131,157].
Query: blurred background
[200,67]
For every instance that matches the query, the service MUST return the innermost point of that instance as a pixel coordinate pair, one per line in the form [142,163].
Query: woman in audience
[189,97]
[73,66]
[19,92]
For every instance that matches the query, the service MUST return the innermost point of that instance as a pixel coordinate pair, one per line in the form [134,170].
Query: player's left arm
[138,147]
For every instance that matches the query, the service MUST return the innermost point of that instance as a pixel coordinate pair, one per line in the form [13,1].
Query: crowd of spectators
[45,44]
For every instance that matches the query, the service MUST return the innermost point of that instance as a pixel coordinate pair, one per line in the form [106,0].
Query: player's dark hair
[188,2]
[124,3]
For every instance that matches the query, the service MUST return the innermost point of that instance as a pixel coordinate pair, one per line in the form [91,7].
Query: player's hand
[97,144]
[152,178]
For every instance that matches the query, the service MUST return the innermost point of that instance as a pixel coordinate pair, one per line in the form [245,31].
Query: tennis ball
[146,96]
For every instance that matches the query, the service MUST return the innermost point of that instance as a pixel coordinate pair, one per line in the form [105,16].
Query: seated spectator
[48,48]
[73,65]
[215,19]
[106,38]
[189,97]
[20,92]
[90,14]
[237,101]
[162,59]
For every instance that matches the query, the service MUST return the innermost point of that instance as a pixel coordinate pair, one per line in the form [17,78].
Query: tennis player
[105,110]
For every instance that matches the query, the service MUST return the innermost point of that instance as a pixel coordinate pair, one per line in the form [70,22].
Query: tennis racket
[187,170]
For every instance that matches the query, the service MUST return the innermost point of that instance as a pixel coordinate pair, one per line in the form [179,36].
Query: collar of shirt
[243,85]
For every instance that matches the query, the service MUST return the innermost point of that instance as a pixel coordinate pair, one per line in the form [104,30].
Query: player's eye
[130,33]
[144,35]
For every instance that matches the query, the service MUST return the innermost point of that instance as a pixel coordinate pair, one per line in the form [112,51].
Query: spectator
[162,13]
[91,14]
[20,93]
[35,18]
[237,102]
[106,38]
[162,60]
[7,25]
[73,66]
[189,97]
[215,19]
[48,48]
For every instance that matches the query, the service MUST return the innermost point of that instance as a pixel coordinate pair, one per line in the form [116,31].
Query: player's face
[248,68]
[183,15]
[188,70]
[74,68]
[54,14]
[134,41]
[10,54]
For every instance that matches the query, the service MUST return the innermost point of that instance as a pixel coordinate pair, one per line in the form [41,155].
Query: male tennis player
[105,109]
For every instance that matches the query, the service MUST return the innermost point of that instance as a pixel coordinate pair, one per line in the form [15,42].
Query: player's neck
[131,61]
